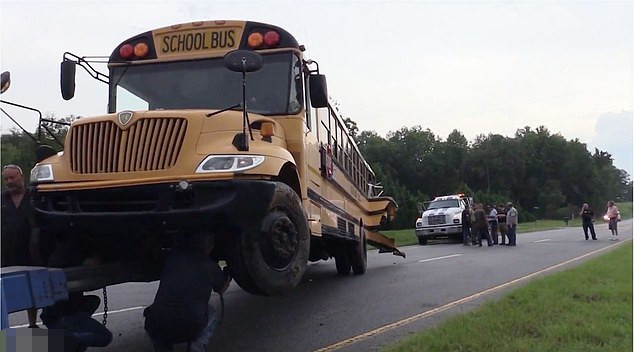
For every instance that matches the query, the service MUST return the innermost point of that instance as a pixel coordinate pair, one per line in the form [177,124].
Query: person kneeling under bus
[181,311]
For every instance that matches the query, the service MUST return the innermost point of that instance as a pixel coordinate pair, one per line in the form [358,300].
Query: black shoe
[586,238]
[480,245]
[594,238]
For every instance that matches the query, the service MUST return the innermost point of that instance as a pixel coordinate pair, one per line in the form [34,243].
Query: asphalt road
[396,296]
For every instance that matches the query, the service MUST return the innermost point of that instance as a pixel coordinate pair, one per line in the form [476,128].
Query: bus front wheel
[275,254]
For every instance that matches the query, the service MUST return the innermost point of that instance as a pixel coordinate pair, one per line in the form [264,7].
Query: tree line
[542,173]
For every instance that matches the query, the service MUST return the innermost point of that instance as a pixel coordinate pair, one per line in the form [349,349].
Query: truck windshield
[276,89]
[449,203]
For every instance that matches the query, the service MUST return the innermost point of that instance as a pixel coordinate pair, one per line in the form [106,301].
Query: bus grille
[149,144]
[436,219]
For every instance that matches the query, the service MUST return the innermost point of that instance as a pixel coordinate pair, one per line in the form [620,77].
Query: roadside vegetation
[586,308]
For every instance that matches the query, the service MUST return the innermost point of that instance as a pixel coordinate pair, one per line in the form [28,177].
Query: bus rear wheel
[342,260]
[359,255]
[275,254]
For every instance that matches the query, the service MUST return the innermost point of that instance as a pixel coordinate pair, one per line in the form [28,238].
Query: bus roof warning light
[140,50]
[125,51]
[271,38]
[255,39]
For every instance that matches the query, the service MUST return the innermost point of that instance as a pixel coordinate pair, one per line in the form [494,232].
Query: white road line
[94,315]
[449,305]
[443,257]
[544,240]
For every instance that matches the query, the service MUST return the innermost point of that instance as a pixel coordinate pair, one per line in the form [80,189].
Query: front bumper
[157,208]
[438,230]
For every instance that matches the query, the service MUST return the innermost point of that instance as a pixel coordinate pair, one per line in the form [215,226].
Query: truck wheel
[422,241]
[276,253]
[359,255]
[342,260]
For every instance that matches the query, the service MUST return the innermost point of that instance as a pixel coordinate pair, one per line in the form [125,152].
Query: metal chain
[105,306]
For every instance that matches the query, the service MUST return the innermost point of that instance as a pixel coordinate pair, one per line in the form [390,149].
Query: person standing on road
[181,311]
[502,225]
[613,215]
[481,225]
[20,234]
[493,223]
[587,221]
[511,224]
[466,225]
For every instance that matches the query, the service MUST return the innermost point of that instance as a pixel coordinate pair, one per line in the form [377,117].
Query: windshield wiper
[223,110]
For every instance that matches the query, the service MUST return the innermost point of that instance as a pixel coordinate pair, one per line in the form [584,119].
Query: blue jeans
[511,233]
[202,340]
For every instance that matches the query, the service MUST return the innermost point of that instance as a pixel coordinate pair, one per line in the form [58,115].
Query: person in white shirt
[511,223]
[493,223]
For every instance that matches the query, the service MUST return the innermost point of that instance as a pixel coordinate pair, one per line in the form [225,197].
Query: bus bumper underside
[135,223]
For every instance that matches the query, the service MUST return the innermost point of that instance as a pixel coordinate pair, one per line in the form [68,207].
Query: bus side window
[324,131]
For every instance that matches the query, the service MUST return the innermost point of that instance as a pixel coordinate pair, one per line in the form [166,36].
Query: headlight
[419,222]
[229,163]
[42,173]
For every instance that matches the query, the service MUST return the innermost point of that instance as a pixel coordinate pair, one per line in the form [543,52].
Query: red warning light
[125,51]
[271,38]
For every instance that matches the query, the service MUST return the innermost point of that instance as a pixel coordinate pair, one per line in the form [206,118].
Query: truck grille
[436,219]
[149,144]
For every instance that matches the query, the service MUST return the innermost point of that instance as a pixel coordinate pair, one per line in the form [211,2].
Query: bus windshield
[276,89]
[449,203]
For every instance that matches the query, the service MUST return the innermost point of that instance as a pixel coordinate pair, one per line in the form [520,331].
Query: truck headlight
[42,173]
[419,222]
[229,163]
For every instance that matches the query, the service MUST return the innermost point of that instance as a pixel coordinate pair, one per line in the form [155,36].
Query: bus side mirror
[5,81]
[318,91]
[243,61]
[67,79]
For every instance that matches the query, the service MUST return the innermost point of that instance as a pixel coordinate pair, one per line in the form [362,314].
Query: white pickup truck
[442,217]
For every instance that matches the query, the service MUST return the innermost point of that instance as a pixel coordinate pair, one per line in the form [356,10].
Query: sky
[482,66]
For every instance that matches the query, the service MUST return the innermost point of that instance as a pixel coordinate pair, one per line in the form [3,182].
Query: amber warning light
[270,39]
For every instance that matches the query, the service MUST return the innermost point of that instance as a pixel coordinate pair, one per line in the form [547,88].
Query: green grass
[626,209]
[403,237]
[407,237]
[586,308]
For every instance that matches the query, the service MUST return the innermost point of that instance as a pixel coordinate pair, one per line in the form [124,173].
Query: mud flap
[382,242]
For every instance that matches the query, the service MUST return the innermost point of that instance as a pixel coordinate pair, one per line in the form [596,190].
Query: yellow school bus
[213,126]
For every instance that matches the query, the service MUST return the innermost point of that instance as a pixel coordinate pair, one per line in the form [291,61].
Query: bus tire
[359,255]
[239,272]
[422,241]
[342,260]
[276,253]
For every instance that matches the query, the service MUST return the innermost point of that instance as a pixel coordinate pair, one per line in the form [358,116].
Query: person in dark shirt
[481,225]
[181,311]
[502,225]
[20,234]
[466,225]
[587,221]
